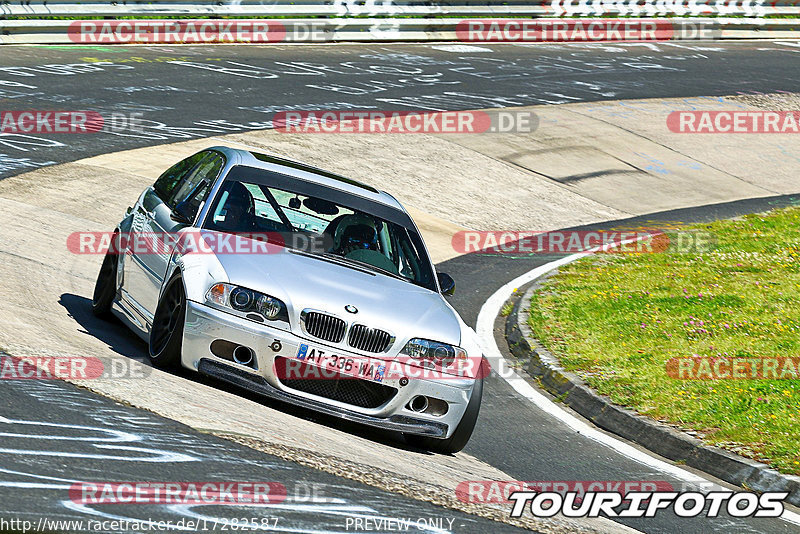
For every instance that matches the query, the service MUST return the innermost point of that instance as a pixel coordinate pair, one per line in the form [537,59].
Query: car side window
[194,189]
[166,184]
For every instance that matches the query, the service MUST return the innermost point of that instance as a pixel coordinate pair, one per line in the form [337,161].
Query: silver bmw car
[298,284]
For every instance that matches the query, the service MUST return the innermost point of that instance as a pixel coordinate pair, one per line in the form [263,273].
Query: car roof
[310,173]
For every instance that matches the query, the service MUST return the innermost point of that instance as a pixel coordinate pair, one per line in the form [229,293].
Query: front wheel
[105,288]
[166,336]
[463,431]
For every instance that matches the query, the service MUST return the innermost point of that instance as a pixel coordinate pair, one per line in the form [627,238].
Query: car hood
[401,308]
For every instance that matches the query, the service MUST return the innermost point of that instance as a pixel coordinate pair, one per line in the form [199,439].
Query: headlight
[247,301]
[432,352]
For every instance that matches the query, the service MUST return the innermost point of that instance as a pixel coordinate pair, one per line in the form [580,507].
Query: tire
[463,431]
[166,335]
[105,288]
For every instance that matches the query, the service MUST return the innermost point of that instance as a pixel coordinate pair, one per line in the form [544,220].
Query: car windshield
[314,224]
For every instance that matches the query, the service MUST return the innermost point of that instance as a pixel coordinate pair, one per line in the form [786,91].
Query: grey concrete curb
[656,437]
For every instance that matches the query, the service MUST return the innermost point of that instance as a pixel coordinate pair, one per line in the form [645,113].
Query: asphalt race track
[46,422]
[191,92]
[187,92]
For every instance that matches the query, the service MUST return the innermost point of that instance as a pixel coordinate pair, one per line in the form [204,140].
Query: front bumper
[205,325]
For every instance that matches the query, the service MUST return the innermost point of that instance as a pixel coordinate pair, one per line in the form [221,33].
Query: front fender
[198,270]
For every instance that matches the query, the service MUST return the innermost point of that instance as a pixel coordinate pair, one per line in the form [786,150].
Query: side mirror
[447,283]
[182,213]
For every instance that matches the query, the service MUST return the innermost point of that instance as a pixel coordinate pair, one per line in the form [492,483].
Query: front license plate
[330,363]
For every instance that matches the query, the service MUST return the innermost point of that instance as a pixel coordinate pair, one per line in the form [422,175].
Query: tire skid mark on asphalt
[118,435]
[161,456]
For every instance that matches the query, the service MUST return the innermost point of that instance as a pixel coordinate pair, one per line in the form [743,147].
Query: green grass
[616,319]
